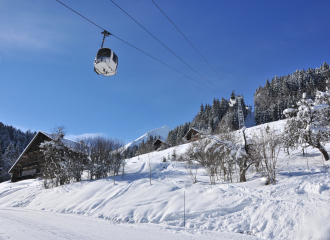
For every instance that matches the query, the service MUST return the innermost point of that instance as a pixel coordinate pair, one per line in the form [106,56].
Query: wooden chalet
[30,163]
[159,144]
[193,135]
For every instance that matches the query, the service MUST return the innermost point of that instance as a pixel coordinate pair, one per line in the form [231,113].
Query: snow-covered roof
[288,110]
[190,130]
[66,142]
[194,129]
[161,141]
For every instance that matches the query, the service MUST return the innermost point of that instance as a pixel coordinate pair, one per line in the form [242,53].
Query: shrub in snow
[192,166]
[265,149]
[222,158]
[63,164]
[311,126]
[104,157]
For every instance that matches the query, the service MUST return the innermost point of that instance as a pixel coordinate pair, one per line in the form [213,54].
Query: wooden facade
[159,144]
[192,135]
[30,163]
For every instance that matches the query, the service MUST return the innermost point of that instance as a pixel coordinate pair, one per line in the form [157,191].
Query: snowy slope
[162,132]
[297,207]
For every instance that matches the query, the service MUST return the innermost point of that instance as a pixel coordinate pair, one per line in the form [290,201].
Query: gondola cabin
[106,62]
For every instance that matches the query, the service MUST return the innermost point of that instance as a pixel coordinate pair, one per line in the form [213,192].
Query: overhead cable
[80,15]
[138,48]
[166,47]
[190,43]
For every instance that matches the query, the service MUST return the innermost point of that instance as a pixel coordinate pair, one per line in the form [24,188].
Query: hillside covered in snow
[161,132]
[296,207]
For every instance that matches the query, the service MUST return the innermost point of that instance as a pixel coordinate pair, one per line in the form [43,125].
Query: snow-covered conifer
[4,167]
[311,126]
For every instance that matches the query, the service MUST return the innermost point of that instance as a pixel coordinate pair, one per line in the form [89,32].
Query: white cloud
[84,135]
[22,41]
[33,26]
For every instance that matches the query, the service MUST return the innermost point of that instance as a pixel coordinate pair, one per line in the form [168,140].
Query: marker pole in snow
[184,209]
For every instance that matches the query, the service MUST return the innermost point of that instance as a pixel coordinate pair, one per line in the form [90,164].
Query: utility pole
[184,209]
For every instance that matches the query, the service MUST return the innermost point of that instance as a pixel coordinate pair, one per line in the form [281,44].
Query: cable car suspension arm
[105,34]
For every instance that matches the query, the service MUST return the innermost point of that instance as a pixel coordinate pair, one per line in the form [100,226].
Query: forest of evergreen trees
[12,142]
[270,101]
[10,134]
[209,118]
[285,92]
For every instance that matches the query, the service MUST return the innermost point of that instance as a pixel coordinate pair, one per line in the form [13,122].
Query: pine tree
[274,113]
[10,155]
[4,176]
[201,111]
[223,108]
[267,86]
[6,161]
[174,156]
[211,127]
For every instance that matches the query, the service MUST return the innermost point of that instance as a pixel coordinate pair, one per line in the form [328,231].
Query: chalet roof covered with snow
[193,130]
[67,142]
[160,141]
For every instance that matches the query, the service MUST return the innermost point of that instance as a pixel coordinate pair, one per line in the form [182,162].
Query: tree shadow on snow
[308,155]
[299,173]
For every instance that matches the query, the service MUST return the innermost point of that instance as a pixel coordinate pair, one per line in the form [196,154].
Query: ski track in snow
[297,207]
[129,187]
[9,191]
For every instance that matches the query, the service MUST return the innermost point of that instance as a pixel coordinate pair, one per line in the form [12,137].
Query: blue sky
[47,53]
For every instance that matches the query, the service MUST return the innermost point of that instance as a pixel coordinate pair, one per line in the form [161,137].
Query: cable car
[106,61]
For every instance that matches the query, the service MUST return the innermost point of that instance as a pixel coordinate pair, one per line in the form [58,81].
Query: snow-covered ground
[36,225]
[297,207]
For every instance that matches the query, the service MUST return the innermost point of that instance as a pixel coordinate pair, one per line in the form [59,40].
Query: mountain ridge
[161,131]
